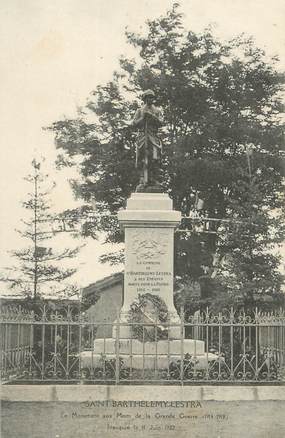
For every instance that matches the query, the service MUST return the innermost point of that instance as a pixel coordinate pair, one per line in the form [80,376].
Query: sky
[54,53]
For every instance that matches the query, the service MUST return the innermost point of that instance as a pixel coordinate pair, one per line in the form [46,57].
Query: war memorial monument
[149,222]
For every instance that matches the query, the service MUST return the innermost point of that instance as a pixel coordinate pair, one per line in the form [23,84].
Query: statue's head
[148,96]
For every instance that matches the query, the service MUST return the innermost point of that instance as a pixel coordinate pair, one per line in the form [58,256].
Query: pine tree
[39,270]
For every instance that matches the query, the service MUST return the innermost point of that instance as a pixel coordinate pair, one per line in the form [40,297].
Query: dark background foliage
[222,137]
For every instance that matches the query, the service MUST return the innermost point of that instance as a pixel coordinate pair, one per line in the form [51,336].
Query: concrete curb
[80,393]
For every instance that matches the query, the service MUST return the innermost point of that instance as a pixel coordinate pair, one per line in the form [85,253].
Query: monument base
[147,355]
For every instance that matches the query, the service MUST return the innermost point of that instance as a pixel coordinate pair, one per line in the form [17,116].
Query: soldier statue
[147,120]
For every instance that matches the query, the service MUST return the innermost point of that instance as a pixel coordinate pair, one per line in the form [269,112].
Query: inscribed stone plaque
[149,264]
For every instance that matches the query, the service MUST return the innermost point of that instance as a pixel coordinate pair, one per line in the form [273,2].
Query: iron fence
[62,346]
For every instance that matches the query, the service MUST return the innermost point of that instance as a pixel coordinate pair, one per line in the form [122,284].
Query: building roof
[102,284]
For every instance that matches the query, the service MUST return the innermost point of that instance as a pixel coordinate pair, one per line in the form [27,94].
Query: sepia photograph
[142,268]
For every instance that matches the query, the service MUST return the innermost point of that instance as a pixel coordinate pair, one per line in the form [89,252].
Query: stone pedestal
[147,355]
[149,222]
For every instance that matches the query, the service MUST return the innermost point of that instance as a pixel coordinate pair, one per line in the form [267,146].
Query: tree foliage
[222,138]
[39,270]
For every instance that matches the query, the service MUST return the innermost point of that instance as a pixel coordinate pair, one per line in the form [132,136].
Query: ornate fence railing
[64,347]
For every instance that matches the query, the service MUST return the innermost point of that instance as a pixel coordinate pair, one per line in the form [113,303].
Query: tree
[250,265]
[219,99]
[39,265]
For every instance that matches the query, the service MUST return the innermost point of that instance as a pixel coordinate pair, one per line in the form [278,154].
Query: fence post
[31,339]
[68,341]
[244,346]
[281,345]
[80,321]
[256,318]
[282,340]
[232,316]
[182,334]
[43,342]
[17,363]
[117,348]
[219,341]
[5,349]
[156,341]
[207,321]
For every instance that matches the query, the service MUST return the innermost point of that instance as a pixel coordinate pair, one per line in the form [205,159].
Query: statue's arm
[159,118]
[156,117]
[138,118]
